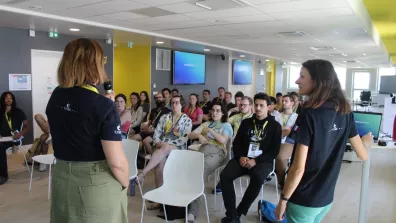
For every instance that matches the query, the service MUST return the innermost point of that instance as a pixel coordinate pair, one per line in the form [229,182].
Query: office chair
[365,99]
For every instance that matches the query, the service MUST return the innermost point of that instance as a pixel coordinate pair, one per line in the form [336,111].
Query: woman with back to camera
[137,113]
[90,176]
[324,127]
[145,103]
[125,115]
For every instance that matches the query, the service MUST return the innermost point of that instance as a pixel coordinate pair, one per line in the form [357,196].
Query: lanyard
[9,121]
[170,125]
[203,104]
[256,132]
[191,111]
[283,118]
[295,108]
[156,116]
[91,88]
[213,127]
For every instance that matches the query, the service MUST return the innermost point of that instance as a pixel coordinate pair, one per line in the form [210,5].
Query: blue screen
[188,68]
[368,122]
[242,72]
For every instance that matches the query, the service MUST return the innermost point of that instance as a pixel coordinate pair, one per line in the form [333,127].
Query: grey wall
[260,79]
[15,57]
[216,76]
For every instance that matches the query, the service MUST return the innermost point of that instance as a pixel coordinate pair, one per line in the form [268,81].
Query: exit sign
[53,35]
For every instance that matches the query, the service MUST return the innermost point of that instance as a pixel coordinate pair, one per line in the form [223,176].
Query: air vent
[163,59]
[152,12]
[15,2]
[291,34]
[338,55]
[351,61]
[321,48]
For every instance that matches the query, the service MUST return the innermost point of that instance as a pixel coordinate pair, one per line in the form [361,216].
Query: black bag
[173,213]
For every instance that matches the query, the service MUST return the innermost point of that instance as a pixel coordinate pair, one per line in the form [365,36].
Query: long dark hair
[147,100]
[196,96]
[224,117]
[326,87]
[138,101]
[3,105]
[122,96]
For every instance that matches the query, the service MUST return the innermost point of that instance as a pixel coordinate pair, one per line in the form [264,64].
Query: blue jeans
[301,214]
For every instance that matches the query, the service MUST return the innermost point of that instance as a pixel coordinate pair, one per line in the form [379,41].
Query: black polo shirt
[17,117]
[79,119]
[156,114]
[217,99]
[326,133]
[270,143]
[230,106]
[206,107]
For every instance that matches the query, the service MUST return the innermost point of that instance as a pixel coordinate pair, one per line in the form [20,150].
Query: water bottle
[132,188]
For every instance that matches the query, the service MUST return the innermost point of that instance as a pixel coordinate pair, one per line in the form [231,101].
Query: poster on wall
[20,82]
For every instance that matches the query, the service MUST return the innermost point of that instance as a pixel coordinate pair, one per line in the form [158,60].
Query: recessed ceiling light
[267,60]
[74,30]
[203,6]
[242,56]
[364,54]
[160,42]
[206,50]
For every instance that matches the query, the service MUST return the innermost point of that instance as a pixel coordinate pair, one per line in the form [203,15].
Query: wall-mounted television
[188,68]
[242,71]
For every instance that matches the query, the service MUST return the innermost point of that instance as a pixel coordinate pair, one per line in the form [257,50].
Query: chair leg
[166,217]
[143,207]
[186,218]
[276,188]
[141,192]
[31,176]
[206,206]
[49,182]
[214,203]
[240,185]
[261,199]
[26,163]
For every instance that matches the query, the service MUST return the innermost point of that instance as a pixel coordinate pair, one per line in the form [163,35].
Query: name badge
[254,150]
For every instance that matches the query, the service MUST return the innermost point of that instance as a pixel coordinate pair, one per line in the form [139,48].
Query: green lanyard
[91,88]
[9,121]
[256,132]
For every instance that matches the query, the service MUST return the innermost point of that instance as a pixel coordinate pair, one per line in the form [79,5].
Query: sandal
[154,206]
[140,178]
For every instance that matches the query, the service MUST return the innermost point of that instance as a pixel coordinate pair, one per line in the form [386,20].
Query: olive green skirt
[86,192]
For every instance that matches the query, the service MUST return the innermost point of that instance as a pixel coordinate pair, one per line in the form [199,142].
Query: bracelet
[282,197]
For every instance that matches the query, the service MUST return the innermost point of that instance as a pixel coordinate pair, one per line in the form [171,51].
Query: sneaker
[230,220]
[43,167]
[3,180]
[217,191]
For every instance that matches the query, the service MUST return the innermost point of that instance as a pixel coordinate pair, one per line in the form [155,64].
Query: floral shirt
[175,135]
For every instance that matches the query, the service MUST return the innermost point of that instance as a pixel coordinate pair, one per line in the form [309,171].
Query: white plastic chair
[20,150]
[183,182]
[44,159]
[131,149]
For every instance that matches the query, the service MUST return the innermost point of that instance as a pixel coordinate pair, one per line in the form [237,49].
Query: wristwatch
[282,197]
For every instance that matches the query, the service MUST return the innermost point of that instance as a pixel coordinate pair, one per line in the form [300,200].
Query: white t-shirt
[286,121]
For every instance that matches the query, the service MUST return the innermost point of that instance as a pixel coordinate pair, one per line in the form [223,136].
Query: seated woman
[194,111]
[137,114]
[213,135]
[44,143]
[125,115]
[145,103]
[171,133]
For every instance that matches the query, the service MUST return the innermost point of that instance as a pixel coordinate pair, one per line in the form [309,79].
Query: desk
[365,181]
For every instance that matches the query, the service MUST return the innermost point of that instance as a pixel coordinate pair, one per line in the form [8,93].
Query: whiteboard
[44,80]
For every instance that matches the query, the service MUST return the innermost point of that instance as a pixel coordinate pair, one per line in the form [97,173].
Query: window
[385,72]
[341,74]
[294,74]
[361,82]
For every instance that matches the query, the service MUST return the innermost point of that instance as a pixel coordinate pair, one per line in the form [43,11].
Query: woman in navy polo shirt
[324,127]
[90,176]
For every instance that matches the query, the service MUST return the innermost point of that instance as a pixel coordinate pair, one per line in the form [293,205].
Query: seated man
[147,128]
[255,147]
[288,118]
[11,120]
[44,143]
[206,105]
[171,133]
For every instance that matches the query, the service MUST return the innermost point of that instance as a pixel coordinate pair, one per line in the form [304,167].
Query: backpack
[173,213]
[267,211]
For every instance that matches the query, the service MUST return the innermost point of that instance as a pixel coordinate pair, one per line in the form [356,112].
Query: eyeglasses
[244,105]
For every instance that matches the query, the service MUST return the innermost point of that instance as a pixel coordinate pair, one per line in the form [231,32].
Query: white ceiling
[252,29]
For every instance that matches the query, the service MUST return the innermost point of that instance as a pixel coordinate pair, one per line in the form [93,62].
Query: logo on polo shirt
[335,128]
[67,108]
[118,131]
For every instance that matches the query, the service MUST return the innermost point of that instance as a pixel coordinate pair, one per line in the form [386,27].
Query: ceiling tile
[208,14]
[313,13]
[102,8]
[302,5]
[125,16]
[259,2]
[162,19]
[182,7]
[159,2]
[52,5]
[179,25]
[242,19]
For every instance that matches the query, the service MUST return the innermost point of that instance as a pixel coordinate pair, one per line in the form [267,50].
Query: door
[44,80]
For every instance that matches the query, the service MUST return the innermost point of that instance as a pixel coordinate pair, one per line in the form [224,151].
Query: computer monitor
[368,122]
